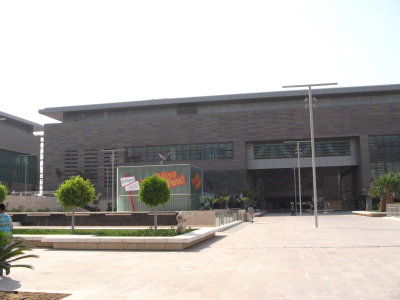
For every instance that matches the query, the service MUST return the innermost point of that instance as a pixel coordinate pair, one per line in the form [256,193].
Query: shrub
[386,188]
[3,193]
[11,252]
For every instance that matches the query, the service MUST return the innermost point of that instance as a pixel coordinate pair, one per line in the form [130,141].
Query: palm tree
[386,188]
[11,252]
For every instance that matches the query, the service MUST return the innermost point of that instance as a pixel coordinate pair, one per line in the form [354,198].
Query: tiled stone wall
[393,210]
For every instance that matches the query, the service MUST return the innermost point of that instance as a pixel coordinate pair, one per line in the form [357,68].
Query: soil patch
[31,296]
[102,232]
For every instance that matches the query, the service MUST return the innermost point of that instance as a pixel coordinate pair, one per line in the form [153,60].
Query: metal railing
[32,193]
[226,216]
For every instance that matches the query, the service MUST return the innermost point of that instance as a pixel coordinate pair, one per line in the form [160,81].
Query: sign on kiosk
[127,180]
[129,183]
[132,187]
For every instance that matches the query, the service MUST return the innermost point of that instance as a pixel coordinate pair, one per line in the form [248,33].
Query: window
[12,167]
[289,150]
[180,152]
[384,154]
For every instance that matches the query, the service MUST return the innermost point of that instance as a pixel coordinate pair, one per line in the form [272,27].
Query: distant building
[17,144]
[240,141]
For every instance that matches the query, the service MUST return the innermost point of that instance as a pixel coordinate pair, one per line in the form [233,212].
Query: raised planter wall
[393,210]
[94,219]
[33,203]
[210,218]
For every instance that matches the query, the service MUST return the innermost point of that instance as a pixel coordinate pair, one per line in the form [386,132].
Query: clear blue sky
[61,53]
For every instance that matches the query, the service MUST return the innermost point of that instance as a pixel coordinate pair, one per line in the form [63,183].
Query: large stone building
[239,141]
[19,153]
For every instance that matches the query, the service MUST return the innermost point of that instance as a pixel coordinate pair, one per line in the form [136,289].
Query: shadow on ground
[305,214]
[8,284]
[367,229]
[205,244]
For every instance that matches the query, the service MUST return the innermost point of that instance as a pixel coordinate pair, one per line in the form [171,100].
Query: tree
[386,188]
[249,197]
[3,193]
[75,192]
[153,192]
[11,252]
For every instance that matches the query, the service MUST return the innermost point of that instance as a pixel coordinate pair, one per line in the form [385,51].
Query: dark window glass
[289,150]
[180,152]
[12,166]
[384,154]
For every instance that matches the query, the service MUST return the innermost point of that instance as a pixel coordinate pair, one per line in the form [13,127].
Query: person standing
[292,209]
[6,223]
[250,212]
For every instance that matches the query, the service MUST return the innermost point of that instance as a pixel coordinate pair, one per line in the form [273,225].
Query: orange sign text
[172,178]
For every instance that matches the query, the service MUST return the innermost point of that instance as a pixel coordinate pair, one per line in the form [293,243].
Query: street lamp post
[310,107]
[295,190]
[26,169]
[112,172]
[106,179]
[298,170]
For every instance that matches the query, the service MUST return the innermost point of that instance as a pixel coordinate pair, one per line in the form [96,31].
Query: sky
[64,53]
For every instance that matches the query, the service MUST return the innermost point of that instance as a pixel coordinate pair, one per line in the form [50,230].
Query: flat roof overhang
[35,126]
[58,112]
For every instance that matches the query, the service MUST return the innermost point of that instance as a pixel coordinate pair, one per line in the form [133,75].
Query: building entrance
[278,188]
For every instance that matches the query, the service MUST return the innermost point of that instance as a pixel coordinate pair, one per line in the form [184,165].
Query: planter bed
[90,242]
[369,213]
[100,232]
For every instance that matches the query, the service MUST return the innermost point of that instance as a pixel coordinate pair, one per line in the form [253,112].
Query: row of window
[289,150]
[180,152]
[12,167]
[384,154]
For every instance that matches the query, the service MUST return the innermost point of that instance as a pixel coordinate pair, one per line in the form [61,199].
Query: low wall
[393,210]
[213,218]
[194,218]
[200,217]
[33,203]
[94,219]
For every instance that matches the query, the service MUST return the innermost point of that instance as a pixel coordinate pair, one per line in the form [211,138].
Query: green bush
[11,252]
[387,188]
[3,193]
[20,208]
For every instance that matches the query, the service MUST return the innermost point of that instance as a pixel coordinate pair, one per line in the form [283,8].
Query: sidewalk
[276,257]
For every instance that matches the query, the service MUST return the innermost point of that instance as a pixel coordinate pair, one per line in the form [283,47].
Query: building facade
[19,153]
[240,141]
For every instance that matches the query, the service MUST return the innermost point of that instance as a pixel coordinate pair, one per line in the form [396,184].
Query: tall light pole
[295,189]
[310,107]
[26,169]
[112,172]
[298,169]
[107,178]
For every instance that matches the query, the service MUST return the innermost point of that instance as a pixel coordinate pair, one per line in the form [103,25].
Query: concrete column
[363,176]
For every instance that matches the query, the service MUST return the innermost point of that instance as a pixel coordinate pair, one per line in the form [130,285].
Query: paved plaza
[276,257]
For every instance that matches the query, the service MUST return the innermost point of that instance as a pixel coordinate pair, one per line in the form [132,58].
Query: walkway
[277,257]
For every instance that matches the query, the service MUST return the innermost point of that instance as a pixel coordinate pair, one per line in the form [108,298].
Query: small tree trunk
[155,218]
[390,198]
[73,220]
[382,206]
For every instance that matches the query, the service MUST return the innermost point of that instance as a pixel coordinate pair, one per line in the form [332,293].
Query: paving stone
[277,257]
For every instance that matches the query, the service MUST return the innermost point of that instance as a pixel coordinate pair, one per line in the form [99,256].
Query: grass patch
[102,232]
